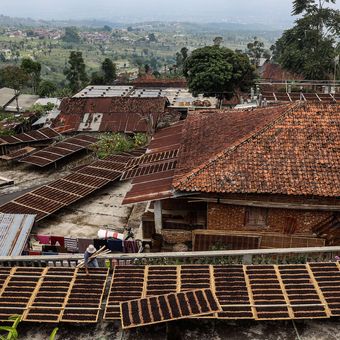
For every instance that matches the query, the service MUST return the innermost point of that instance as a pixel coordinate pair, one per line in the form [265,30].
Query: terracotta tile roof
[296,152]
[207,133]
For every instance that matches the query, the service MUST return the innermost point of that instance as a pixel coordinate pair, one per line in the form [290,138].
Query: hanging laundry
[115,245]
[130,246]
[71,244]
[58,241]
[99,243]
[43,239]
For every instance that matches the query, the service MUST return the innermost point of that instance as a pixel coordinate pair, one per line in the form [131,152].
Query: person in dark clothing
[88,262]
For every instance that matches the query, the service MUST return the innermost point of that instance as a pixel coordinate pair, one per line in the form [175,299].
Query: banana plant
[54,333]
[12,333]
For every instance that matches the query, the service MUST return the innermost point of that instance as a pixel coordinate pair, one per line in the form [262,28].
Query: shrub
[111,143]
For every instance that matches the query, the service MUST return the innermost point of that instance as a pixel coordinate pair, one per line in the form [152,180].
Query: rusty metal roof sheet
[150,188]
[32,136]
[54,196]
[59,151]
[297,96]
[110,114]
[153,172]
[14,231]
[15,155]
[149,169]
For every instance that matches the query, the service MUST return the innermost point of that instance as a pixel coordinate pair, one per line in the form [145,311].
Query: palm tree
[300,6]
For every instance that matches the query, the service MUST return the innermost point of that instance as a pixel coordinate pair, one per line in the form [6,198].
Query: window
[256,217]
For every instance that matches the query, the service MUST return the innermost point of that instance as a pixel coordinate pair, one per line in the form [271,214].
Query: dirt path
[85,218]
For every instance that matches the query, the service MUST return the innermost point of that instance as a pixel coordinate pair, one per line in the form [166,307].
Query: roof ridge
[183,179]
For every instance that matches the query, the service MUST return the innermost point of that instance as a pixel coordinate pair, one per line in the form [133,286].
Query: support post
[158,216]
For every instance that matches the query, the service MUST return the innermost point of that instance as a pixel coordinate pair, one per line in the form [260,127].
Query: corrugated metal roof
[14,231]
[110,114]
[47,118]
[28,137]
[17,154]
[50,198]
[60,150]
[25,101]
[296,96]
[6,96]
[45,101]
[103,91]
[175,90]
[153,172]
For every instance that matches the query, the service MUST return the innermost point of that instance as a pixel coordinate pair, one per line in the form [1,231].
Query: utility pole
[336,62]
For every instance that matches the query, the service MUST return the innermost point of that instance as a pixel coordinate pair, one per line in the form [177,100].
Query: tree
[76,71]
[152,37]
[256,51]
[309,48]
[147,68]
[326,15]
[33,69]
[218,41]
[181,57]
[154,63]
[15,78]
[71,35]
[184,53]
[46,88]
[97,78]
[109,71]
[41,109]
[156,74]
[218,71]
[64,92]
[107,28]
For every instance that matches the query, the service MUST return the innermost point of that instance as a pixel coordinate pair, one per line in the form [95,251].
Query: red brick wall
[232,217]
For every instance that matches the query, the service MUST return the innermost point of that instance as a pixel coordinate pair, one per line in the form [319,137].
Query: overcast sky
[248,11]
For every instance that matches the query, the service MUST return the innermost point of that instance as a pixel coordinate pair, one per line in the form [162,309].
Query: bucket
[105,234]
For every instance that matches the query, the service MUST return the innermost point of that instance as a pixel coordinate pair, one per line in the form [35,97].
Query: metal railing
[265,81]
[256,256]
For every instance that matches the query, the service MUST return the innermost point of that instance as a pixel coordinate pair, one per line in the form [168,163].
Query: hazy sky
[264,11]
